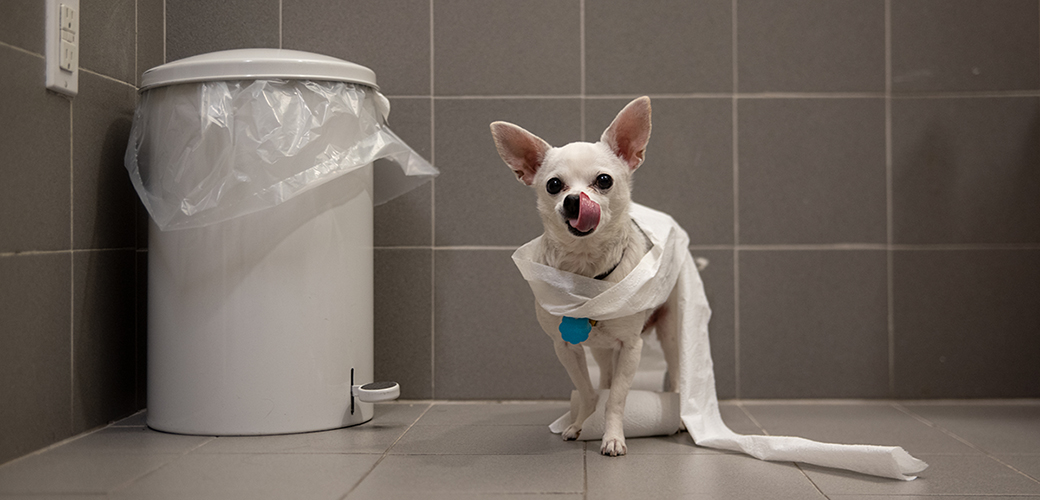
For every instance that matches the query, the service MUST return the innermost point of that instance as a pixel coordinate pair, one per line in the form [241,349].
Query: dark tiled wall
[863,176]
[72,262]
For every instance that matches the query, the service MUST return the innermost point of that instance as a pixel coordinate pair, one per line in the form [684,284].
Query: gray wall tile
[35,352]
[675,46]
[811,45]
[108,32]
[34,197]
[151,43]
[965,45]
[478,199]
[403,312]
[105,203]
[688,171]
[507,48]
[22,23]
[488,342]
[812,171]
[105,337]
[965,170]
[813,324]
[718,285]
[407,220]
[196,28]
[966,323]
[390,37]
[141,326]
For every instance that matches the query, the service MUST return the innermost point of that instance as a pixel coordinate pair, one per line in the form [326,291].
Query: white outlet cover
[65,81]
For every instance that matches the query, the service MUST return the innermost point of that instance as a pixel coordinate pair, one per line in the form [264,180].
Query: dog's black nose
[570,206]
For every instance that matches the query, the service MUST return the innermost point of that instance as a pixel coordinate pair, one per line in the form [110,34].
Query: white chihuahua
[584,194]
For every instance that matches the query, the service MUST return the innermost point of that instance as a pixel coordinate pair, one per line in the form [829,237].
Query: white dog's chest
[603,337]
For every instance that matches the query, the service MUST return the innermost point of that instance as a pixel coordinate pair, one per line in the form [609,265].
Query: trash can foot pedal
[376,392]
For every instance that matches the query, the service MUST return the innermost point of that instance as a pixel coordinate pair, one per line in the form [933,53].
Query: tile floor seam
[813,483]
[1012,467]
[386,452]
[936,426]
[796,464]
[950,433]
[54,446]
[752,418]
[585,470]
[179,456]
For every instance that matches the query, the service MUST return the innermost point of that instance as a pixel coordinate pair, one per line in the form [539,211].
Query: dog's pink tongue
[588,215]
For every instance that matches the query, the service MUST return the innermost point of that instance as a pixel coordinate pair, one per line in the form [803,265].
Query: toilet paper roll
[647,413]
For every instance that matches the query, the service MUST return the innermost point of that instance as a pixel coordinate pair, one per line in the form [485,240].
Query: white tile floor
[449,450]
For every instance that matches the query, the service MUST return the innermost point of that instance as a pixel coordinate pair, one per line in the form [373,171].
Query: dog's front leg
[624,370]
[572,357]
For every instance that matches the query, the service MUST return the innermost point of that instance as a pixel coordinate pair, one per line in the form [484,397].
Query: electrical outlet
[63,44]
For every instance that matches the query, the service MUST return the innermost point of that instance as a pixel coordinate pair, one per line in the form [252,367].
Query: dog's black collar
[604,275]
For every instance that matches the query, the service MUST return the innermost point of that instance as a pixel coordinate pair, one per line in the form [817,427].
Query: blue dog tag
[575,330]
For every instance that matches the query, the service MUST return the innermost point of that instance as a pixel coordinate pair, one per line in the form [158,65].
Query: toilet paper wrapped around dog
[669,264]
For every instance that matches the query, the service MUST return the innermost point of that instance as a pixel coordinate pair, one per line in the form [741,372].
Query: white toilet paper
[669,264]
[647,413]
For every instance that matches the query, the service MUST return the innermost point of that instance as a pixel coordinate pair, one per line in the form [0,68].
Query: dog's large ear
[520,149]
[629,133]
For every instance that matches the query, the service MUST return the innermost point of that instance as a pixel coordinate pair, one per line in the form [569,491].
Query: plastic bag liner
[202,153]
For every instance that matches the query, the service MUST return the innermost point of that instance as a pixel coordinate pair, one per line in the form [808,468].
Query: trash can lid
[251,64]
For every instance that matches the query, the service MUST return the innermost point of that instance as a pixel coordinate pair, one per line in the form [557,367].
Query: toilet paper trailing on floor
[647,413]
[669,265]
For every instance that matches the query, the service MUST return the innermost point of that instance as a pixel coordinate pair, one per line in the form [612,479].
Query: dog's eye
[604,181]
[554,186]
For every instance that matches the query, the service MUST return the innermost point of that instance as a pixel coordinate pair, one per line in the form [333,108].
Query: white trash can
[256,168]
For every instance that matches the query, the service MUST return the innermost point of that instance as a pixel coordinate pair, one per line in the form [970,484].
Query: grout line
[747,413]
[177,456]
[19,49]
[387,451]
[164,32]
[29,253]
[889,208]
[948,432]
[585,469]
[923,247]
[965,246]
[433,323]
[137,236]
[433,217]
[281,8]
[463,402]
[581,50]
[72,273]
[752,95]
[137,45]
[477,247]
[988,94]
[734,117]
[800,467]
[811,247]
[56,445]
[109,78]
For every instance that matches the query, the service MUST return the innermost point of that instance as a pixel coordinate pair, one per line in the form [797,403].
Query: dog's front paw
[613,447]
[571,432]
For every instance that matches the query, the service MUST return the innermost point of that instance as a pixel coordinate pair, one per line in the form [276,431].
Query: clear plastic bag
[202,153]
